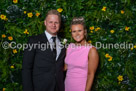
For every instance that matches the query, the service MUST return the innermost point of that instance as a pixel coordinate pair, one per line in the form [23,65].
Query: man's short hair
[53,12]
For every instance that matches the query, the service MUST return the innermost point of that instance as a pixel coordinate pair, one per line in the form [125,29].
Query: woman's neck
[82,43]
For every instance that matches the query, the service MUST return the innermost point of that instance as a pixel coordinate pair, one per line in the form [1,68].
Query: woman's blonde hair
[79,20]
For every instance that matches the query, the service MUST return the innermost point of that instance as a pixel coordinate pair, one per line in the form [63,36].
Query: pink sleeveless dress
[77,67]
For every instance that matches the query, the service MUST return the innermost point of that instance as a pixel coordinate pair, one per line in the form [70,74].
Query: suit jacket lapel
[45,40]
[60,49]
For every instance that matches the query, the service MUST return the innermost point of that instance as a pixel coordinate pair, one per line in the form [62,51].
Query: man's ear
[45,22]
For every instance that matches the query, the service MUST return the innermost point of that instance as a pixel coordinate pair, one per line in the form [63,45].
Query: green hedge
[108,21]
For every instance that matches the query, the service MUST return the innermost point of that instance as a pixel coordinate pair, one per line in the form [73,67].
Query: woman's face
[78,33]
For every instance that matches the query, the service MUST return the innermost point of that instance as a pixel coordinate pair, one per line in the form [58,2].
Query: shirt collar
[49,35]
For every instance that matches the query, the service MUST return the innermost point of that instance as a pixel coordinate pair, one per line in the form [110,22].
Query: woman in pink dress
[81,59]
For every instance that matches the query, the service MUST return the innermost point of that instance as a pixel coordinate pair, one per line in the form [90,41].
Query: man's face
[52,24]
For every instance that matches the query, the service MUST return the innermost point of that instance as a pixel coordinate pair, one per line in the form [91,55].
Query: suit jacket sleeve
[27,66]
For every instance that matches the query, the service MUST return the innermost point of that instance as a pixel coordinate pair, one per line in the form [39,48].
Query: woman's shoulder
[93,50]
[90,46]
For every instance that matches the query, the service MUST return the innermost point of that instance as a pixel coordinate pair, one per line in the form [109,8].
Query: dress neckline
[82,45]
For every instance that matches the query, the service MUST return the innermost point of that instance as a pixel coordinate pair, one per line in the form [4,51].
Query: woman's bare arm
[93,60]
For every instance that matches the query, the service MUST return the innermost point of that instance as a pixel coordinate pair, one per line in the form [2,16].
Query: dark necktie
[54,47]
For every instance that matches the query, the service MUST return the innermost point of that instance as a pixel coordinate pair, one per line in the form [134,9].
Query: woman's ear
[85,33]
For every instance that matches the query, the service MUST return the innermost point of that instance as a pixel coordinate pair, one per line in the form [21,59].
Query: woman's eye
[73,31]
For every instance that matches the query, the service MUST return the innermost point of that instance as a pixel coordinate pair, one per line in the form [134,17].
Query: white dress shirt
[49,37]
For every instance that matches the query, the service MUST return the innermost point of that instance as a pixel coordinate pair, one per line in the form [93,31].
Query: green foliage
[123,59]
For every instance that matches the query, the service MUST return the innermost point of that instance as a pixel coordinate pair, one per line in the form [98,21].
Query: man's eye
[79,30]
[56,23]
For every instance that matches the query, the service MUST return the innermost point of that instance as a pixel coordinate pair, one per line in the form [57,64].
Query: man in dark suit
[42,69]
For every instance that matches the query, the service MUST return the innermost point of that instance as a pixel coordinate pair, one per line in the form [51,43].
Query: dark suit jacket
[40,70]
